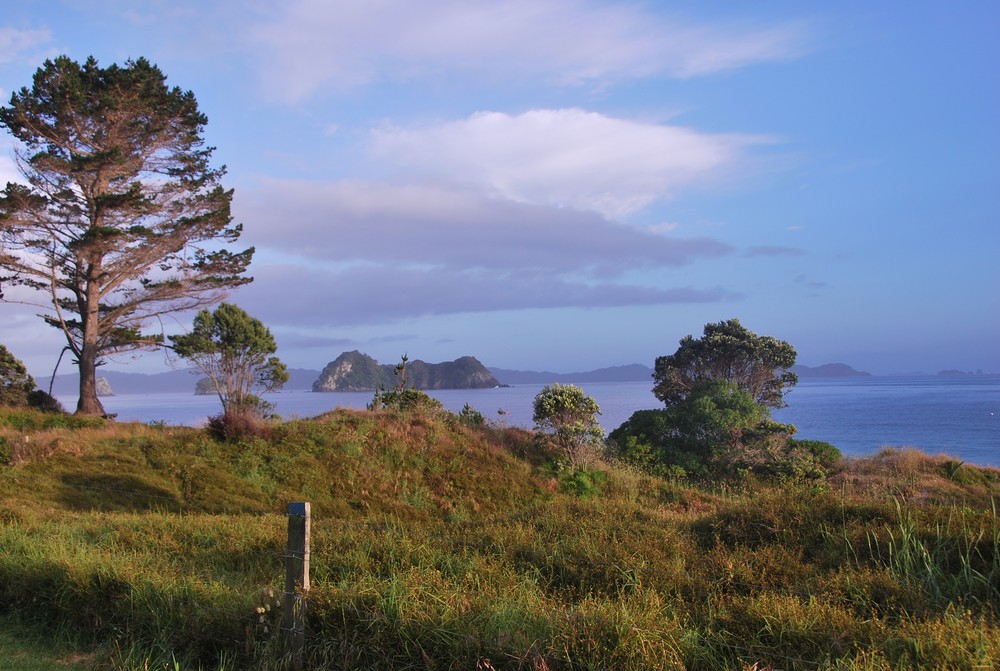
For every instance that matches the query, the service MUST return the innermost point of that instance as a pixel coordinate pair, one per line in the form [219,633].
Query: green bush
[583,482]
[40,400]
[405,400]
[826,455]
[471,416]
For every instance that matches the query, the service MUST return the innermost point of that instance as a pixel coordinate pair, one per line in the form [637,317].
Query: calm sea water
[959,416]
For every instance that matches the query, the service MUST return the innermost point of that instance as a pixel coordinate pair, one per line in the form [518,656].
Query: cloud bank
[445,226]
[355,252]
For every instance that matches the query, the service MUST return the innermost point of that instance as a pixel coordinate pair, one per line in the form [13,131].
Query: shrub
[471,416]
[825,454]
[40,400]
[568,414]
[718,429]
[583,482]
[234,425]
[404,400]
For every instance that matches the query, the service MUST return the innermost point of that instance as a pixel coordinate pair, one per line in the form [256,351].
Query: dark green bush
[40,400]
[471,416]
[825,454]
[583,482]
[405,400]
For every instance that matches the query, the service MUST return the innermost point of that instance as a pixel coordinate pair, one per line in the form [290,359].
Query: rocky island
[355,371]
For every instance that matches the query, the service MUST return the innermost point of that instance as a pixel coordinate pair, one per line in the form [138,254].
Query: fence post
[296,584]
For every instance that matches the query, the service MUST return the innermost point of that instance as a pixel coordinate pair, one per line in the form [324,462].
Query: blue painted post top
[298,509]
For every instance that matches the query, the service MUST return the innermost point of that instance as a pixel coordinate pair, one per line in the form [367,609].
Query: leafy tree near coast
[718,392]
[728,352]
[121,219]
[236,352]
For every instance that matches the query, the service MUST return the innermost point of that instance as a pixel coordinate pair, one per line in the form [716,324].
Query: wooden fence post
[296,584]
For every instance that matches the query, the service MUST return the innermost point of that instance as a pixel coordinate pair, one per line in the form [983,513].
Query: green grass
[439,545]
[24,649]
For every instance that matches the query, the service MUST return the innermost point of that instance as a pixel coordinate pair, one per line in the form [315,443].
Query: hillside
[464,371]
[437,544]
[631,373]
[173,382]
[828,370]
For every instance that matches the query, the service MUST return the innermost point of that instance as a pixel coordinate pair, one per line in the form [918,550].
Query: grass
[437,545]
[23,649]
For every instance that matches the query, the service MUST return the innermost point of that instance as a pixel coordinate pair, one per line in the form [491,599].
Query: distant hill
[828,370]
[173,381]
[631,373]
[355,371]
[368,375]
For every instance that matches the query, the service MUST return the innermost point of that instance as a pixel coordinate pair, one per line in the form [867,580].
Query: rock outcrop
[204,387]
[355,371]
[104,387]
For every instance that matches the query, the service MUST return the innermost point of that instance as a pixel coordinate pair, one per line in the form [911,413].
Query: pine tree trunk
[89,403]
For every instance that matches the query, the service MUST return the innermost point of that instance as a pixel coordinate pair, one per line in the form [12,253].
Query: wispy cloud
[564,157]
[447,227]
[296,297]
[311,44]
[15,43]
[373,253]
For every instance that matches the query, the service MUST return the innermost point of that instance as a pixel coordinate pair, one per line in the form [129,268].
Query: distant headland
[367,374]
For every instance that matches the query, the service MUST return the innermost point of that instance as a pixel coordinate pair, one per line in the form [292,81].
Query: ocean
[959,416]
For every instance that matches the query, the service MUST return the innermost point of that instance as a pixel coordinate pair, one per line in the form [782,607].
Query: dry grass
[439,545]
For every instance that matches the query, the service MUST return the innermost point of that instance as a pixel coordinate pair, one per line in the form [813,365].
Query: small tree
[727,352]
[236,352]
[121,218]
[570,415]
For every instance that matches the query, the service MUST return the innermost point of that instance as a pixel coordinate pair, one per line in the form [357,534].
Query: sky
[566,185]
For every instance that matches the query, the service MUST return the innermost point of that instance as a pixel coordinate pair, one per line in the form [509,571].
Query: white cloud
[309,44]
[14,43]
[564,157]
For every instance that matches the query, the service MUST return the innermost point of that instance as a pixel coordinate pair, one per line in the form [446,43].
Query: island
[356,371]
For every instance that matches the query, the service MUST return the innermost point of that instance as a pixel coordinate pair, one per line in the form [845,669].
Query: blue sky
[567,185]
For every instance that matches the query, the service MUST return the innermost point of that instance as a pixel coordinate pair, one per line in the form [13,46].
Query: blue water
[959,416]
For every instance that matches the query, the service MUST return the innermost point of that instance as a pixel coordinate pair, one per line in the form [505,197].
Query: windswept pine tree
[121,218]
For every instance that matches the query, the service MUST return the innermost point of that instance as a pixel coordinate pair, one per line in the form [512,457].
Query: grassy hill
[438,545]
